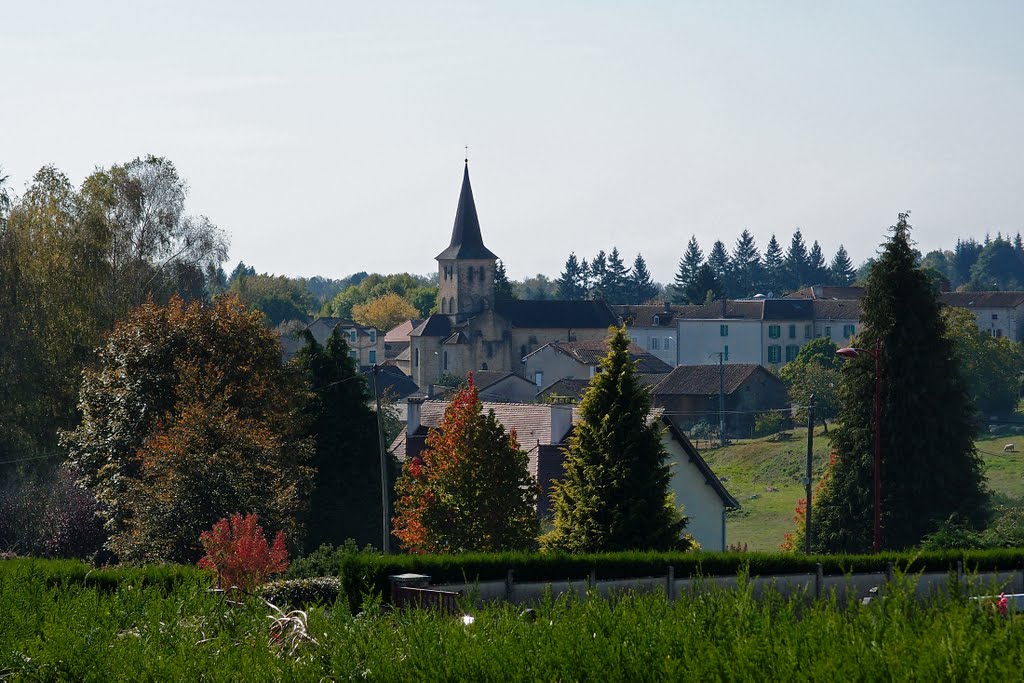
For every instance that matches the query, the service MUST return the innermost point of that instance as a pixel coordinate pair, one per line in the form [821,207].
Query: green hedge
[56,573]
[363,572]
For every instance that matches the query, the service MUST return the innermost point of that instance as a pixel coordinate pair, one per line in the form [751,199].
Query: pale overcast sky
[327,137]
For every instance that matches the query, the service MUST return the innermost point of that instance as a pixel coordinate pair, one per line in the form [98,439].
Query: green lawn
[765,477]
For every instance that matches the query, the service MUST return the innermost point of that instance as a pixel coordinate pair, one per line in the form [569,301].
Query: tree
[931,469]
[641,286]
[705,286]
[470,489]
[817,271]
[797,264]
[615,491]
[502,287]
[599,276]
[279,297]
[689,264]
[965,254]
[991,366]
[384,312]
[718,261]
[774,268]
[571,283]
[841,271]
[189,417]
[417,290]
[536,288]
[998,267]
[345,501]
[616,285]
[746,266]
[814,372]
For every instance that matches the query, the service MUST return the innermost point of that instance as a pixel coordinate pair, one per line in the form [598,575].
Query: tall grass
[140,631]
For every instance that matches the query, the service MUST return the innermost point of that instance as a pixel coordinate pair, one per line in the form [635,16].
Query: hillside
[765,477]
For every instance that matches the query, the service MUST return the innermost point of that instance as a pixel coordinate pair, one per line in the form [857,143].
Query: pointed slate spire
[466,240]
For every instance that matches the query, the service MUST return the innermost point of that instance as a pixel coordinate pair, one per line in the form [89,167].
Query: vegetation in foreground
[71,631]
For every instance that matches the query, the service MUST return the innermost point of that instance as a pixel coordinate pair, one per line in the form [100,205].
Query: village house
[581,359]
[366,343]
[543,431]
[1000,314]
[653,328]
[473,331]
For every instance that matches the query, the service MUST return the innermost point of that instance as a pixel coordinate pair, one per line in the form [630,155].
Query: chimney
[561,421]
[668,306]
[412,421]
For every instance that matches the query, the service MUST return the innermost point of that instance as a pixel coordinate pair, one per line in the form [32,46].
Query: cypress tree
[615,492]
[774,268]
[931,472]
[642,287]
[841,271]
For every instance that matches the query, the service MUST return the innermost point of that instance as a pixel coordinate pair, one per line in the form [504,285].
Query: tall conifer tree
[641,286]
[570,282]
[615,492]
[746,265]
[616,279]
[817,270]
[797,264]
[689,264]
[841,270]
[718,260]
[599,276]
[931,471]
[502,287]
[774,268]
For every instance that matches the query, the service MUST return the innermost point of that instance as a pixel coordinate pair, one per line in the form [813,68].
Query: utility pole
[721,398]
[386,541]
[807,475]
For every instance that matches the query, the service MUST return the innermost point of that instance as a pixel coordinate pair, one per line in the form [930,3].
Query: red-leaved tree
[470,490]
[237,550]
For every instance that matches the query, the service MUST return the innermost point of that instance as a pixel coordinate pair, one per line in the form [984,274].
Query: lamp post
[852,352]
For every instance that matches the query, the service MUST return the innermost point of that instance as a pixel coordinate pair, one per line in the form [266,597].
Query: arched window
[469,273]
[444,305]
[416,357]
[451,305]
[445,360]
[481,273]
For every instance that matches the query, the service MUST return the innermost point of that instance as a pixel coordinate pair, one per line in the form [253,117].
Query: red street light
[852,352]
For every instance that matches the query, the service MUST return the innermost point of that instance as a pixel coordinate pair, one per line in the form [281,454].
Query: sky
[327,137]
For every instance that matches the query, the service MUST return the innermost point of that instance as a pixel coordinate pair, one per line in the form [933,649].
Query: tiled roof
[486,378]
[391,382]
[837,309]
[400,333]
[557,314]
[434,326]
[591,353]
[983,299]
[746,310]
[827,292]
[569,388]
[644,315]
[703,380]
[395,349]
[467,243]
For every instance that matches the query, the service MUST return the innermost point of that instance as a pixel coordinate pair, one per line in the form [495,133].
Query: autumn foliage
[237,550]
[470,489]
[794,541]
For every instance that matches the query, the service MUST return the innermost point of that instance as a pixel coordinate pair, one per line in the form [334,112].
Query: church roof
[467,242]
[556,314]
[434,326]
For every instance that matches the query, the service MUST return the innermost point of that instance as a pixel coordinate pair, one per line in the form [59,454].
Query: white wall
[699,500]
[699,339]
[666,337]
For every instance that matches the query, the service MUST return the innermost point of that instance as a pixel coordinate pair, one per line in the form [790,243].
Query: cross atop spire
[467,243]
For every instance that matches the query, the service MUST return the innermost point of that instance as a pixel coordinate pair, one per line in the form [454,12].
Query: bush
[238,552]
[702,430]
[769,422]
[298,593]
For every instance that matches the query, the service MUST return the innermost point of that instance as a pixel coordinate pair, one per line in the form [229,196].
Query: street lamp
[852,352]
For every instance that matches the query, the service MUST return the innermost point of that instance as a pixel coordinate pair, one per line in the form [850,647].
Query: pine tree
[642,287]
[841,271]
[746,266]
[599,276]
[816,269]
[615,492]
[570,281]
[705,287]
[931,471]
[470,490]
[616,286]
[774,268]
[502,287]
[796,263]
[720,265]
[688,267]
[345,501]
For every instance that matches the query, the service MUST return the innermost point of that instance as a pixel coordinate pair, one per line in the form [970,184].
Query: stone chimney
[412,422]
[561,421]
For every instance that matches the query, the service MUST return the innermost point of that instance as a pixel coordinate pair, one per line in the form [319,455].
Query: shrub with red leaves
[238,551]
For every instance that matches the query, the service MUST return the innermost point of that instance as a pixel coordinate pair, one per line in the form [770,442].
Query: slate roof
[435,326]
[837,309]
[827,292]
[467,243]
[788,309]
[569,388]
[644,315]
[487,378]
[591,353]
[744,310]
[391,381]
[557,314]
[702,380]
[983,299]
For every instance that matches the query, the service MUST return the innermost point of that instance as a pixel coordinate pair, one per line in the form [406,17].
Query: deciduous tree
[384,312]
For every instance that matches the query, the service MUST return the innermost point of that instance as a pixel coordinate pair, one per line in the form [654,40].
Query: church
[472,331]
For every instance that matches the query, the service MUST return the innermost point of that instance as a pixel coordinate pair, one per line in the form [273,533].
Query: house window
[774,353]
[808,331]
[723,330]
[657,320]
[373,356]
[653,344]
[791,351]
[792,331]
[352,336]
[725,352]
[416,357]
[445,360]
[668,343]
[995,316]
[774,331]
[828,331]
[354,354]
[373,336]
[848,331]
[538,378]
[999,333]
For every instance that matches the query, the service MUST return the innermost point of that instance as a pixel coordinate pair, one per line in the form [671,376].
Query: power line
[36,457]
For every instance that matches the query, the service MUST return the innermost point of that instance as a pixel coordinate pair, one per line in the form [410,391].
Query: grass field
[766,477]
[69,631]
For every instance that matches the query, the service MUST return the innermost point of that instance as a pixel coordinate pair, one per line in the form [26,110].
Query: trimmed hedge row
[56,573]
[362,572]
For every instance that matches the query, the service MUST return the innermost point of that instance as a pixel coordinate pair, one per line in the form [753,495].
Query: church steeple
[467,243]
